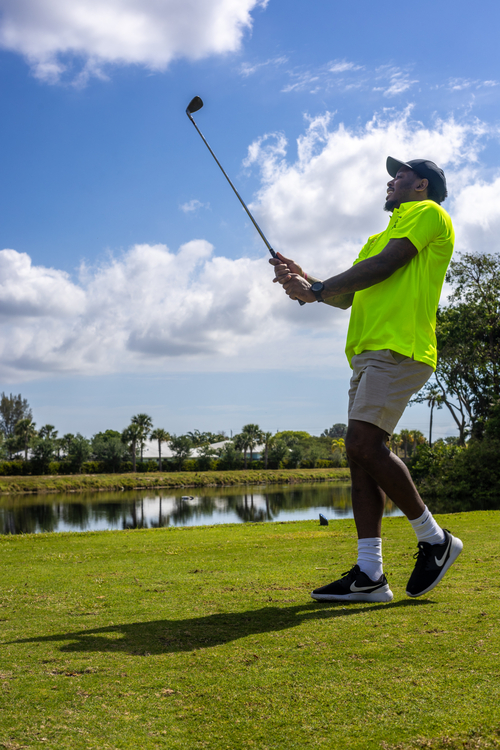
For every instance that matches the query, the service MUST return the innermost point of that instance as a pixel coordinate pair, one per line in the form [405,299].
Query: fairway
[207,637]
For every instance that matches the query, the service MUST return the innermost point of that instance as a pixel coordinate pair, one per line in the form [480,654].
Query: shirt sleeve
[425,223]
[363,253]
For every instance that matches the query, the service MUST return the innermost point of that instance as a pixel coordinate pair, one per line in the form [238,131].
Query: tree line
[25,449]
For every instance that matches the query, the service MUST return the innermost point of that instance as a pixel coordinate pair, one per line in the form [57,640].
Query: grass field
[208,638]
[144,481]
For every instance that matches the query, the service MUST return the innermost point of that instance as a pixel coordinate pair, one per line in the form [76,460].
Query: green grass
[207,638]
[84,482]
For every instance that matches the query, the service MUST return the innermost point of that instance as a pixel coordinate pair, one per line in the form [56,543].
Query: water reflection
[28,514]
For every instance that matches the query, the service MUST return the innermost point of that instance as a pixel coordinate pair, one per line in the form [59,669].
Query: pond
[141,509]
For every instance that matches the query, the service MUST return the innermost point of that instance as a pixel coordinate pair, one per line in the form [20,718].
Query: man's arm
[287,266]
[397,253]
[344,301]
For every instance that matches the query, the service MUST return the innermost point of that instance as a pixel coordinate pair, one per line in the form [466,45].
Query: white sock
[426,528]
[370,557]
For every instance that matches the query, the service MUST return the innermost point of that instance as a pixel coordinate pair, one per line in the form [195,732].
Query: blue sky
[131,279]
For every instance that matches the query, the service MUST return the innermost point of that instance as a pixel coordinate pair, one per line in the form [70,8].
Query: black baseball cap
[424,168]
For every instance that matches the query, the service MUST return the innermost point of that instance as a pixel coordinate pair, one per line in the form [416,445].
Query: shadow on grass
[190,634]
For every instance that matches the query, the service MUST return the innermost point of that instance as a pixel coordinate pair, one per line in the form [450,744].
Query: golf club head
[194,105]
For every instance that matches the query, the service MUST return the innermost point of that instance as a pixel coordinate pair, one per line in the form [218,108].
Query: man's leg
[375,470]
[365,581]
[381,385]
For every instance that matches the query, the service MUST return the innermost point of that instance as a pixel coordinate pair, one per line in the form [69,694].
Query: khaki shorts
[381,385]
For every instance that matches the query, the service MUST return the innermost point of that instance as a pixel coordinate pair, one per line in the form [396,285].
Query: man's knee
[363,441]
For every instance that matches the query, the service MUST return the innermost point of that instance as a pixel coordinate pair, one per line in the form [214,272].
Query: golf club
[194,105]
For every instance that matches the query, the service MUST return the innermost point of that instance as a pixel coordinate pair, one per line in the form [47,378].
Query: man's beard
[391,205]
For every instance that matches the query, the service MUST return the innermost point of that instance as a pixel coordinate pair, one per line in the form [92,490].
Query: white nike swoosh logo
[355,588]
[440,562]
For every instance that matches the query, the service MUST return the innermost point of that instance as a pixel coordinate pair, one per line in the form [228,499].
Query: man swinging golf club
[393,288]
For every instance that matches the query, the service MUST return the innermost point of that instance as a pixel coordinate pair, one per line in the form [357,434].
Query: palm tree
[417,438]
[163,437]
[25,430]
[395,442]
[267,439]
[434,398]
[241,443]
[196,437]
[338,444]
[131,435]
[145,422]
[66,441]
[405,438]
[254,436]
[48,431]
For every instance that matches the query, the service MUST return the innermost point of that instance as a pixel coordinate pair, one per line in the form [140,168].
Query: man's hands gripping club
[290,275]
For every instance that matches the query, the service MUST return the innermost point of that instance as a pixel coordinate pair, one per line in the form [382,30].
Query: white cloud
[344,75]
[27,291]
[248,69]
[461,84]
[394,81]
[148,308]
[193,310]
[477,216]
[144,32]
[193,206]
[342,66]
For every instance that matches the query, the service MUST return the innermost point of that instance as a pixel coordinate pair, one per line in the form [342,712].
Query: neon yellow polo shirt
[400,312]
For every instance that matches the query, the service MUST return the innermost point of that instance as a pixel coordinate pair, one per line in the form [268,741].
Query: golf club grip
[275,256]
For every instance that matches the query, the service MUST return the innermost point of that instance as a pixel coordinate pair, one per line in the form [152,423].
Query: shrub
[92,467]
[13,468]
[204,463]
[323,463]
[456,478]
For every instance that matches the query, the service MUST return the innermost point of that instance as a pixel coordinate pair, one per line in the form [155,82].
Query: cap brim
[393,165]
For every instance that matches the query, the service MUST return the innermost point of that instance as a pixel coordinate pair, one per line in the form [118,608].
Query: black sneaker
[433,560]
[355,586]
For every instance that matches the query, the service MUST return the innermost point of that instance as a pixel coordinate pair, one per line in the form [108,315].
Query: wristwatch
[317,288]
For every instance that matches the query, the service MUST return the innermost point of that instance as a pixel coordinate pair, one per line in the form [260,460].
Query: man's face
[401,188]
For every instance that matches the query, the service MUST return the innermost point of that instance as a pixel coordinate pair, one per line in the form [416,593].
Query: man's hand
[296,287]
[283,266]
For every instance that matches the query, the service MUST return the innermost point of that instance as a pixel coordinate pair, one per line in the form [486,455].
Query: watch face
[317,288]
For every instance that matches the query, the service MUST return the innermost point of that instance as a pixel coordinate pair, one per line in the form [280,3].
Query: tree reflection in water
[26,514]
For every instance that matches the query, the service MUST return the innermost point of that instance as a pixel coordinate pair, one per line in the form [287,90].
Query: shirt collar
[404,207]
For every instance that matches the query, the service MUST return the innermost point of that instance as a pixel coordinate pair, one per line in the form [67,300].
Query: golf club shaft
[236,193]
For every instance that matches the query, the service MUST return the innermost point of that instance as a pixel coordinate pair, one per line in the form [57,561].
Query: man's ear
[422,185]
